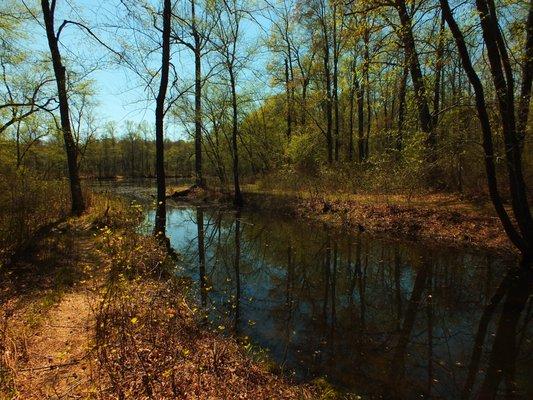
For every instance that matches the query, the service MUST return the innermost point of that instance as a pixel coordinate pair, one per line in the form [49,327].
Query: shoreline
[437,220]
[442,220]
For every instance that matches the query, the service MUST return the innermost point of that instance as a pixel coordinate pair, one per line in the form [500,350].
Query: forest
[156,151]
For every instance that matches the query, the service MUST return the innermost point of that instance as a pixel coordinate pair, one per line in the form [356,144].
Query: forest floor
[91,311]
[439,218]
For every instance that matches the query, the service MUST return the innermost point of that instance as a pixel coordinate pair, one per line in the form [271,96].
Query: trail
[59,352]
[52,326]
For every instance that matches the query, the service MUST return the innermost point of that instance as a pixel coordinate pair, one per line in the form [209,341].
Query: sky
[120,94]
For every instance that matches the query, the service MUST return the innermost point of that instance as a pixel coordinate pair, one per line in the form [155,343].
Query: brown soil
[441,219]
[58,354]
[47,311]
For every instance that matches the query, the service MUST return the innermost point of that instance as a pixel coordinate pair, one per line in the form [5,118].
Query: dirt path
[51,325]
[59,353]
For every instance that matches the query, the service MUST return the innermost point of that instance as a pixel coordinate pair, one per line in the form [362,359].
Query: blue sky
[119,92]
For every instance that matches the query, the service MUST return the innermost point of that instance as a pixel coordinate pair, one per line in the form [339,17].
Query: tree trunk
[351,117]
[17,143]
[502,77]
[438,73]
[360,89]
[426,123]
[366,77]
[305,84]
[199,179]
[329,116]
[521,238]
[289,105]
[161,214]
[402,107]
[238,200]
[336,82]
[77,201]
[527,78]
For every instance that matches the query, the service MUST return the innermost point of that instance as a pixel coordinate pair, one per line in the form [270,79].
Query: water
[374,317]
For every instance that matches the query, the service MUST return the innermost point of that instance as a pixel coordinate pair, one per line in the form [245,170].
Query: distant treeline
[105,157]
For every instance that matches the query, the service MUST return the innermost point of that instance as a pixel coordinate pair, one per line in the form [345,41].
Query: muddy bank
[435,220]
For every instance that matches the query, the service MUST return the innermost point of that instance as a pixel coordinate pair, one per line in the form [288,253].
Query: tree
[282,43]
[318,20]
[161,214]
[199,29]
[24,87]
[521,231]
[228,35]
[77,201]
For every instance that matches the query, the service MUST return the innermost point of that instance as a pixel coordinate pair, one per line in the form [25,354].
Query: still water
[378,318]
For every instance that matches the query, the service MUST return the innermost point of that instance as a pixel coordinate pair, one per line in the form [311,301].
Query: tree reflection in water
[373,316]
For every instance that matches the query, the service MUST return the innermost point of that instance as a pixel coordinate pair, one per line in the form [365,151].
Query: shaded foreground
[92,312]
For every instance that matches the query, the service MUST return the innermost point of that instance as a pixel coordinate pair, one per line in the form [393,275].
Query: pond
[376,317]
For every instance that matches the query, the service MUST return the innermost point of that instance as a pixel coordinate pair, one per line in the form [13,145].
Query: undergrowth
[150,342]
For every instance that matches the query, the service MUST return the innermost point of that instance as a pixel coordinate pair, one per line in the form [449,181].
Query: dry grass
[27,203]
[150,345]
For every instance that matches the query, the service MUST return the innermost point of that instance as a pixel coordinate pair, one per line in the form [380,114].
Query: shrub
[27,203]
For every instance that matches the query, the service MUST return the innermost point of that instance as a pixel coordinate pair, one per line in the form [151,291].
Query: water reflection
[374,317]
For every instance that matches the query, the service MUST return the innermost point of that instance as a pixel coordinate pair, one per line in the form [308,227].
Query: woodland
[406,117]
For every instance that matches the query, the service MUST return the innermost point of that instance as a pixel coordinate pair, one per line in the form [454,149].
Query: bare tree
[521,231]
[77,201]
[161,213]
[196,39]
[228,35]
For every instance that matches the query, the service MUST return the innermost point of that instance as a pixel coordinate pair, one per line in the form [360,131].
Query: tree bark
[199,179]
[351,115]
[329,111]
[402,108]
[336,82]
[527,78]
[521,238]
[425,118]
[238,200]
[366,77]
[161,215]
[360,89]
[502,77]
[438,73]
[289,103]
[77,201]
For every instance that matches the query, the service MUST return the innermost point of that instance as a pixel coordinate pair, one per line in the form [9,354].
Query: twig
[53,366]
